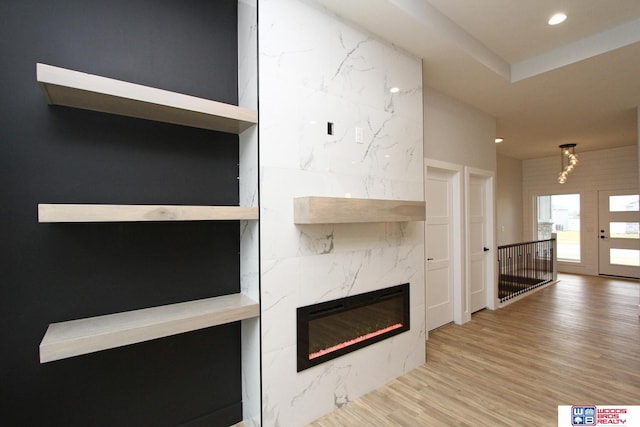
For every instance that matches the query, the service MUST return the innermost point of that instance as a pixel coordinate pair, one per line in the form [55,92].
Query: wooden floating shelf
[90,92]
[138,213]
[82,336]
[335,210]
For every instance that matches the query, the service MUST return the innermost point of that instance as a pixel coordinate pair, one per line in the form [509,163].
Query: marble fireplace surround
[317,69]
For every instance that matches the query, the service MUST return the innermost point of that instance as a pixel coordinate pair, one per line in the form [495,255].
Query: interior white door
[439,245]
[619,242]
[477,209]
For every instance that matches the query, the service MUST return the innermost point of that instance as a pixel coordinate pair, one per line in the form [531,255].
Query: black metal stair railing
[524,266]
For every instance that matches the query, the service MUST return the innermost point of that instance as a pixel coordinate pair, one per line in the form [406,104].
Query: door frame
[491,260]
[460,311]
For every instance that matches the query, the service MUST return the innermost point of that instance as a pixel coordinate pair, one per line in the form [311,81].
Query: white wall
[611,169]
[458,133]
[314,69]
[509,201]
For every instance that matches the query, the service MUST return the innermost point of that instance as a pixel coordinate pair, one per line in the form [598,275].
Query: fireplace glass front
[331,329]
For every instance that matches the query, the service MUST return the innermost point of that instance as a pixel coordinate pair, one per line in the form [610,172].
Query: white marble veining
[248,53]
[248,196]
[389,140]
[316,69]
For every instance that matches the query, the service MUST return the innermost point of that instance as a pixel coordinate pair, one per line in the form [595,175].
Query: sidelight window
[560,214]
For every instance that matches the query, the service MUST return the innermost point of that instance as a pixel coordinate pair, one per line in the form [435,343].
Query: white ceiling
[575,82]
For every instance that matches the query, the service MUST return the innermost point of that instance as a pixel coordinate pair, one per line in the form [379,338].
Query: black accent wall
[56,272]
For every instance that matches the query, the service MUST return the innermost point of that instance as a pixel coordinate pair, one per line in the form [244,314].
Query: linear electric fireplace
[334,328]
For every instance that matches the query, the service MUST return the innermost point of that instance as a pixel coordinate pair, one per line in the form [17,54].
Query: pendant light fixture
[568,160]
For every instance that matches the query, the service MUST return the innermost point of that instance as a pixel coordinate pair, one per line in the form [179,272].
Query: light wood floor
[575,342]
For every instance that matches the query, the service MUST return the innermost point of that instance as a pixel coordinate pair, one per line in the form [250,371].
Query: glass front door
[619,242]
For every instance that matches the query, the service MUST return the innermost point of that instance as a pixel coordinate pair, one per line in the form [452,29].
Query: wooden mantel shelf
[82,336]
[135,213]
[90,92]
[334,210]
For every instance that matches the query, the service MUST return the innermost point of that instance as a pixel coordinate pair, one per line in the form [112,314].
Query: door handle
[603,237]
[486,249]
[429,259]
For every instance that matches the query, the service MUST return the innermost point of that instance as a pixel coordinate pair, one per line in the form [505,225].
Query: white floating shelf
[136,213]
[90,92]
[82,336]
[330,210]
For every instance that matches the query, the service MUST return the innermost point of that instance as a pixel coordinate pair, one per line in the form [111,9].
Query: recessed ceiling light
[499,139]
[556,19]
[394,89]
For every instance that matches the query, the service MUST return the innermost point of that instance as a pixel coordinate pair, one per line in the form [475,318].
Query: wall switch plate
[359,135]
